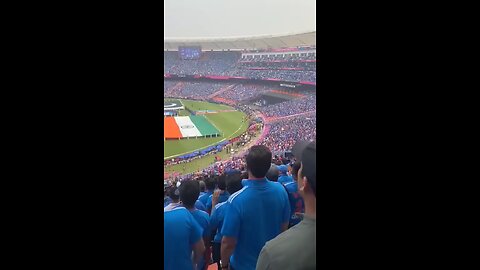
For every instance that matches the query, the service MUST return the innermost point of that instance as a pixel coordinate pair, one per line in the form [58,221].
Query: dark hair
[259,159]
[234,182]
[189,191]
[221,182]
[273,173]
[295,167]
[210,183]
[202,186]
[173,194]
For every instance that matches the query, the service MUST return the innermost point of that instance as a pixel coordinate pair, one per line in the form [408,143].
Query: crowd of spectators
[210,63]
[194,90]
[243,92]
[294,68]
[167,85]
[249,211]
[278,65]
[251,221]
[283,134]
[281,58]
[281,137]
[291,107]
[284,75]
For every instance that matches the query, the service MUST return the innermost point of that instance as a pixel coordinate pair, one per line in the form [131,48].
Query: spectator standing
[210,183]
[174,196]
[234,184]
[283,177]
[273,173]
[296,201]
[166,199]
[182,235]
[223,194]
[300,239]
[189,191]
[256,214]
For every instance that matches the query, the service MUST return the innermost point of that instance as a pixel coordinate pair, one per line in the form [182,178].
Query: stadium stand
[243,228]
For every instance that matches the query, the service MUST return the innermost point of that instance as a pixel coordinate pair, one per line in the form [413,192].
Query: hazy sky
[227,18]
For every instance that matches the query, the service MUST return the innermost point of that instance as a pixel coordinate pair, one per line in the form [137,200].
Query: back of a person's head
[273,173]
[189,191]
[210,183]
[202,185]
[221,182]
[259,160]
[174,194]
[234,182]
[295,167]
[282,169]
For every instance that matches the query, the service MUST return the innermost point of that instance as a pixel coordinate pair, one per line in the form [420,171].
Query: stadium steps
[221,91]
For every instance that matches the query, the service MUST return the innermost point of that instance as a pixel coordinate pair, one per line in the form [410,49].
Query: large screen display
[189,53]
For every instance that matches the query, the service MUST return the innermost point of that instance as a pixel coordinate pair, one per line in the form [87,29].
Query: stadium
[236,109]
[232,93]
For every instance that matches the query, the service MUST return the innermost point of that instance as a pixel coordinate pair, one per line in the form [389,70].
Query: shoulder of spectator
[236,194]
[263,262]
[217,206]
[289,184]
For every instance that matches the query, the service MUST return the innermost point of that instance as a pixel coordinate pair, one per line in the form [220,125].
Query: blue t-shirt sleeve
[231,222]
[195,230]
[199,205]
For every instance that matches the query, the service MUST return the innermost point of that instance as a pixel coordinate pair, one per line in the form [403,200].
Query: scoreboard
[190,53]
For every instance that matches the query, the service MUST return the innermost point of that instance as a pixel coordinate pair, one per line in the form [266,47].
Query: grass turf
[228,123]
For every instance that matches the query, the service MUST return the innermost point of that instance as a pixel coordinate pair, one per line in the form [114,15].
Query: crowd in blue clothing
[227,219]
[231,64]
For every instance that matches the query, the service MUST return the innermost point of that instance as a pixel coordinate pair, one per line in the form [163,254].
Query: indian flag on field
[194,126]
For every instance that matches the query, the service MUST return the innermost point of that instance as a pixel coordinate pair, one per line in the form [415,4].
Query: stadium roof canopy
[244,43]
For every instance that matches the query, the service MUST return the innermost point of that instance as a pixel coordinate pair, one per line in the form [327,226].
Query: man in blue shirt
[173,194]
[200,206]
[284,177]
[234,184]
[301,238]
[202,187]
[296,201]
[189,191]
[166,200]
[223,195]
[256,214]
[273,173]
[210,183]
[182,235]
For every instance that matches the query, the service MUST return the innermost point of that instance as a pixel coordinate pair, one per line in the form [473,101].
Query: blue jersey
[254,215]
[180,232]
[216,221]
[204,197]
[296,202]
[200,206]
[203,219]
[283,179]
[222,198]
